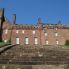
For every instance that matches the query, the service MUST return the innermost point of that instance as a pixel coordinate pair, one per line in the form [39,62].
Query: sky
[28,11]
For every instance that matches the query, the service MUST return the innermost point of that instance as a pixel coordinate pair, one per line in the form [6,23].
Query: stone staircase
[34,56]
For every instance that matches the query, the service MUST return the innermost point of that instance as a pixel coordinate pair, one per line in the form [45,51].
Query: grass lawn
[67,46]
[3,44]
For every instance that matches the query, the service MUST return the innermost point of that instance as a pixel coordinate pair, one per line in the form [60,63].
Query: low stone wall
[7,66]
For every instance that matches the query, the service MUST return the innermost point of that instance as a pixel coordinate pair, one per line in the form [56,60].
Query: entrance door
[17,40]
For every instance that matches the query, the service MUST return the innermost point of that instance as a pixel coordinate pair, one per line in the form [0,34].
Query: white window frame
[57,42]
[26,40]
[46,34]
[56,34]
[56,28]
[5,41]
[6,31]
[23,31]
[17,40]
[47,42]
[36,40]
[17,31]
[33,31]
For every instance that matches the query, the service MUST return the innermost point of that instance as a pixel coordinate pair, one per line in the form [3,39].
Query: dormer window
[17,31]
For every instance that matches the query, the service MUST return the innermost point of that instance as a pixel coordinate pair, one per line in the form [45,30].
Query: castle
[27,34]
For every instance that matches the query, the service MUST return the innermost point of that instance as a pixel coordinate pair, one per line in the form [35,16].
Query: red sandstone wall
[6,25]
[63,35]
[27,33]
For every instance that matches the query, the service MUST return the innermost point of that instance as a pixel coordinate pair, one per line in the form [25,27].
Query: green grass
[67,46]
[3,44]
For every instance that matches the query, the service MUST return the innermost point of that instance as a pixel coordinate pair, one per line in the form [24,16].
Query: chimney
[14,18]
[1,12]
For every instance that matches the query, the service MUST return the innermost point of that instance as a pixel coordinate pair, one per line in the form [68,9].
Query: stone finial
[59,22]
[39,21]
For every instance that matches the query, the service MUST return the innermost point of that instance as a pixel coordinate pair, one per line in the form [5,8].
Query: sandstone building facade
[26,34]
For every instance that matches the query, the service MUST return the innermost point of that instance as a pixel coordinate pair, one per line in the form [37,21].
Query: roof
[44,25]
[29,26]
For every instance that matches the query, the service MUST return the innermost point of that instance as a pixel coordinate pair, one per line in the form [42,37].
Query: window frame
[6,31]
[17,31]
[46,42]
[56,34]
[26,40]
[46,34]
[33,32]
[57,42]
[23,31]
[35,40]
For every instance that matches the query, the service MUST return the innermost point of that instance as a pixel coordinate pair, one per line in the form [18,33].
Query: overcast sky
[28,11]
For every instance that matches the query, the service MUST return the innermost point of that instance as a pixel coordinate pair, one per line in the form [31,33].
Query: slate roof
[18,26]
[31,26]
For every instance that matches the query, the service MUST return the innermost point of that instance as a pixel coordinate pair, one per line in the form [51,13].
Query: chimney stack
[1,12]
[14,18]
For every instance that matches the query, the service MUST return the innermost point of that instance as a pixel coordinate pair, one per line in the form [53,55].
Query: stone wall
[13,66]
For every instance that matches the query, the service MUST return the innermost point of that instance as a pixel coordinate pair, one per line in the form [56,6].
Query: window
[55,28]
[26,40]
[17,31]
[3,67]
[23,31]
[33,31]
[46,42]
[5,41]
[17,40]
[46,34]
[36,40]
[57,42]
[56,34]
[6,31]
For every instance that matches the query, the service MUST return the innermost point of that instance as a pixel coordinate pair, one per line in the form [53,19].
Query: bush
[67,43]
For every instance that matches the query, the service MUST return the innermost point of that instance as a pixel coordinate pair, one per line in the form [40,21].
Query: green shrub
[67,43]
